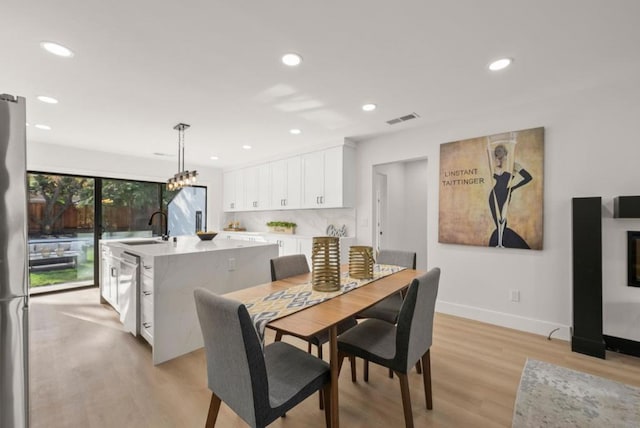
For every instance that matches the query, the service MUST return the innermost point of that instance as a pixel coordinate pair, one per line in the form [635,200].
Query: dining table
[328,314]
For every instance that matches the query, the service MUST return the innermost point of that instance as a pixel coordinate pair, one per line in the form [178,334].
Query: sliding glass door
[61,231]
[69,214]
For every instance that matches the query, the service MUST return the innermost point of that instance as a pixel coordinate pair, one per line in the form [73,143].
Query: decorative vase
[325,261]
[360,262]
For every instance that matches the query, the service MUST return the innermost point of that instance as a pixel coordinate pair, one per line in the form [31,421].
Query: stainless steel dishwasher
[128,289]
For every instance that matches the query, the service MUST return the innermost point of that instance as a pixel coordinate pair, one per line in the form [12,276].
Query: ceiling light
[57,49]
[369,107]
[48,100]
[214,158]
[28,124]
[295,131]
[500,64]
[182,178]
[292,59]
[246,147]
[43,127]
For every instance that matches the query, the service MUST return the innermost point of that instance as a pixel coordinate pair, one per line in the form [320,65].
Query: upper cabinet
[233,191]
[328,178]
[321,179]
[285,183]
[257,189]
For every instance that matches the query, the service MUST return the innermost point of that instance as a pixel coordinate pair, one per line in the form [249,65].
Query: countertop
[185,245]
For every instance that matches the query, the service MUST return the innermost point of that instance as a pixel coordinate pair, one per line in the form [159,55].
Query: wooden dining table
[326,315]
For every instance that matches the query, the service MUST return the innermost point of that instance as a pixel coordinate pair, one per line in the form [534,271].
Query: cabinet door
[239,191]
[251,188]
[312,179]
[279,176]
[294,182]
[231,183]
[105,277]
[264,187]
[304,247]
[285,183]
[332,195]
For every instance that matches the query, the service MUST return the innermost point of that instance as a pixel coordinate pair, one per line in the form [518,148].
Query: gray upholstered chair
[389,308]
[296,264]
[400,346]
[258,384]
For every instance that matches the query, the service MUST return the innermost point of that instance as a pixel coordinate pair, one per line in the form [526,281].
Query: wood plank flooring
[87,372]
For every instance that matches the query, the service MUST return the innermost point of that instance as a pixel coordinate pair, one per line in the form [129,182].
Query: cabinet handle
[114,272]
[233,205]
[147,267]
[285,202]
[322,199]
[146,324]
[146,293]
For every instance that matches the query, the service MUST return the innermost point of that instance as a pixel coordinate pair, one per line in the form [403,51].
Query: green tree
[59,193]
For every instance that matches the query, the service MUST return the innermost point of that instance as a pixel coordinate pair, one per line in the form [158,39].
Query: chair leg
[365,369]
[214,407]
[320,394]
[341,356]
[406,399]
[390,374]
[353,368]
[419,367]
[326,393]
[426,375]
[278,336]
[308,347]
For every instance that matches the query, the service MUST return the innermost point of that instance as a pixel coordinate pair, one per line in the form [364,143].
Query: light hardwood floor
[87,372]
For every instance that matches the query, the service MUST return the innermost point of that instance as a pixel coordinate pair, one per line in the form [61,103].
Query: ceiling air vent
[402,118]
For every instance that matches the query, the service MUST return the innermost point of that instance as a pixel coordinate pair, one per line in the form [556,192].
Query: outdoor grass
[83,272]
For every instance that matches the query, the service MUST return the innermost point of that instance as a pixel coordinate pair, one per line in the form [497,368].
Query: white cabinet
[109,277]
[285,183]
[320,179]
[257,189]
[233,191]
[146,298]
[286,245]
[328,178]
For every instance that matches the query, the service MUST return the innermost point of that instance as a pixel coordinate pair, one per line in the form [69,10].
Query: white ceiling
[142,66]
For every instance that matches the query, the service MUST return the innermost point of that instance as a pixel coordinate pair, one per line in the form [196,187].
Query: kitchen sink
[144,242]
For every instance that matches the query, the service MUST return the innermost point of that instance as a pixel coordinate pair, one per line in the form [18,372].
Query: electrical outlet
[232,264]
[514,295]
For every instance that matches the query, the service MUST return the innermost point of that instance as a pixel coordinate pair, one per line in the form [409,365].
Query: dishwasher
[128,289]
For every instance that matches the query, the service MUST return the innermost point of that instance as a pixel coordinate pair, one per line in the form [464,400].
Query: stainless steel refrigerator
[14,286]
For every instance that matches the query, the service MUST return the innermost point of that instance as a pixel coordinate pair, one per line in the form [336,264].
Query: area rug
[553,396]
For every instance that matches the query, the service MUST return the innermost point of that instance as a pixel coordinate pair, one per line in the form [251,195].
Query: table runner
[295,298]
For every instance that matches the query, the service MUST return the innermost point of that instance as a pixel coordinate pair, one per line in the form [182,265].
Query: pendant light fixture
[183,178]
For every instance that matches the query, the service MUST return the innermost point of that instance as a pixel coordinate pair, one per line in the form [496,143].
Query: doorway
[400,207]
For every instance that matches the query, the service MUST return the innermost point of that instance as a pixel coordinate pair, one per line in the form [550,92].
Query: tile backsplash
[310,222]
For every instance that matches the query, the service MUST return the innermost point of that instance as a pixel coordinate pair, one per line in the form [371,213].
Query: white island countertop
[185,244]
[162,299]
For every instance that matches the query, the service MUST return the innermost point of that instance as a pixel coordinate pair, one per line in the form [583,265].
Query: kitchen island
[154,282]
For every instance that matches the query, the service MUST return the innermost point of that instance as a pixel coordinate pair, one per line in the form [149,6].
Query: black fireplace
[633,254]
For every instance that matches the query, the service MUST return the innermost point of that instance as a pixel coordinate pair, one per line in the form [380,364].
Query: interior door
[380,194]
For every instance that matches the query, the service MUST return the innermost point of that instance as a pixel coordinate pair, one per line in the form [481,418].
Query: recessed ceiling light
[43,127]
[214,158]
[57,49]
[48,100]
[500,64]
[246,147]
[369,107]
[28,124]
[295,131]
[292,59]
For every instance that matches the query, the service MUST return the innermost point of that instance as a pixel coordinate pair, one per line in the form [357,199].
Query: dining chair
[293,265]
[259,384]
[389,308]
[399,346]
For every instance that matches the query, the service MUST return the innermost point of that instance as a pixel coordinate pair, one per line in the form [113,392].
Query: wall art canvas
[491,190]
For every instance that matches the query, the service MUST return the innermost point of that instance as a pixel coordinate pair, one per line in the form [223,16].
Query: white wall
[592,148]
[71,160]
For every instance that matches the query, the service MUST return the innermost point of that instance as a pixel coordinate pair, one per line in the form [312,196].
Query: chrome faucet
[165,235]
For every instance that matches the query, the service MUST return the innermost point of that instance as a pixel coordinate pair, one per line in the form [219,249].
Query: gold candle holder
[325,261]
[360,262]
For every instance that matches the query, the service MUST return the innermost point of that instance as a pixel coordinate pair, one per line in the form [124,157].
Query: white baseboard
[505,320]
